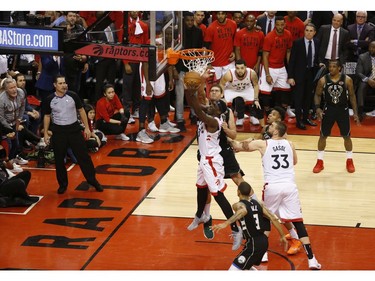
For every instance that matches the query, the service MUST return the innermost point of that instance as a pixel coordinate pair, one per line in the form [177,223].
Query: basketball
[192,79]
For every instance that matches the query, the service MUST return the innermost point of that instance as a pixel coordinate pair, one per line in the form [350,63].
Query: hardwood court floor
[139,222]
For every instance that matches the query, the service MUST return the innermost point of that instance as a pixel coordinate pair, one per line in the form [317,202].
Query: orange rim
[173,56]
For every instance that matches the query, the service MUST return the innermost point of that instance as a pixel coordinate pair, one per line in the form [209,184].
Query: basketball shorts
[211,174]
[252,253]
[247,95]
[231,166]
[337,114]
[221,70]
[158,87]
[282,199]
[279,78]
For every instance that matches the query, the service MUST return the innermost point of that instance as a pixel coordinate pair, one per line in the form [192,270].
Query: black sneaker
[61,190]
[181,126]
[207,232]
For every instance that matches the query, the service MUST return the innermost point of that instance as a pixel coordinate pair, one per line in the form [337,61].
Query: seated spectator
[13,188]
[31,115]
[97,139]
[365,71]
[111,117]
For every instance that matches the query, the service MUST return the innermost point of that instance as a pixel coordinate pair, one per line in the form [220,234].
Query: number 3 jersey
[278,162]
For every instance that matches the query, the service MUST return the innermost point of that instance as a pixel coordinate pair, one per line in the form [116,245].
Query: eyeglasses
[362,17]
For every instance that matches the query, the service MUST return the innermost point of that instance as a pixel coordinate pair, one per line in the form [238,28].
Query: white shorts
[221,70]
[211,173]
[279,78]
[282,199]
[247,95]
[158,86]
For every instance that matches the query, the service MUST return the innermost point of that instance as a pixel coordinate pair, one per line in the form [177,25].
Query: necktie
[359,30]
[334,44]
[309,55]
[269,28]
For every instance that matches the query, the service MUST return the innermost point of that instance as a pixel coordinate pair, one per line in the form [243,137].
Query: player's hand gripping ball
[192,80]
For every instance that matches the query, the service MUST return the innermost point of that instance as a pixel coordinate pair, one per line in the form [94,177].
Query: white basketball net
[198,63]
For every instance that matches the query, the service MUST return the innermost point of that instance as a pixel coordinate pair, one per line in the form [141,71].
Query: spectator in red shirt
[274,76]
[111,117]
[219,37]
[294,24]
[248,43]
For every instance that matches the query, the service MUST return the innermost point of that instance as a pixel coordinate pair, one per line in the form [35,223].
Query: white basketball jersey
[240,85]
[278,164]
[208,143]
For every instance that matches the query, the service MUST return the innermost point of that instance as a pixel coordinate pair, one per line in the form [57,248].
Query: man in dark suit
[361,34]
[266,21]
[326,36]
[302,68]
[365,72]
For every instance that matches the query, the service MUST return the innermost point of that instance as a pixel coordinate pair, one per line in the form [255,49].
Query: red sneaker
[319,166]
[349,165]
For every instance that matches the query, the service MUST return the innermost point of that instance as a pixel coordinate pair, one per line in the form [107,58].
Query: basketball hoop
[194,59]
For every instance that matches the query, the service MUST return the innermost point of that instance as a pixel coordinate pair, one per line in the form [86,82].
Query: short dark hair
[245,188]
[107,86]
[279,18]
[240,61]
[281,111]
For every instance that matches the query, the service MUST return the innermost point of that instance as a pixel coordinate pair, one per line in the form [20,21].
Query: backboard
[165,32]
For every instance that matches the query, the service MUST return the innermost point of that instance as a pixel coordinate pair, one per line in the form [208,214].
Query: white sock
[207,209]
[320,154]
[349,154]
[293,233]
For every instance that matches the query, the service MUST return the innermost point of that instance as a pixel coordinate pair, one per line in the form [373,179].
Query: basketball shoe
[207,231]
[197,221]
[295,247]
[313,264]
[319,166]
[350,165]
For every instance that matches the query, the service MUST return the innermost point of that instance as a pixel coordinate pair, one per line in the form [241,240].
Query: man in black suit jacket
[263,21]
[361,34]
[325,37]
[365,72]
[301,73]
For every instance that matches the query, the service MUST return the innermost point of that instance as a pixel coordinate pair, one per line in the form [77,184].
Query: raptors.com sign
[129,53]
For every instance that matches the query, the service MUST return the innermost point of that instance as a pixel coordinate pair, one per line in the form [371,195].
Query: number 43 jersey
[278,162]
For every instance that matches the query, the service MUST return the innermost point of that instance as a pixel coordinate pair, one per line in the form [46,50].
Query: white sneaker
[237,239]
[171,123]
[143,137]
[20,161]
[10,173]
[313,264]
[152,127]
[239,122]
[371,113]
[265,257]
[246,116]
[16,168]
[290,112]
[351,112]
[171,108]
[122,136]
[166,128]
[131,120]
[254,120]
[197,221]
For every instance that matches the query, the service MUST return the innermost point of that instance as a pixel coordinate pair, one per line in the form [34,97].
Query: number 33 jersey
[278,162]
